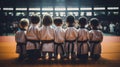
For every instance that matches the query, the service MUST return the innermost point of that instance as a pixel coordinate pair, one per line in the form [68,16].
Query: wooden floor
[110,55]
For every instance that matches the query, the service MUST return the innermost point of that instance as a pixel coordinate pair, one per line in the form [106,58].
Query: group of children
[35,41]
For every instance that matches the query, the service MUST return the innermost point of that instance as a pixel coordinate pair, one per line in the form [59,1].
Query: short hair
[70,19]
[83,20]
[94,22]
[24,22]
[47,20]
[57,21]
[35,19]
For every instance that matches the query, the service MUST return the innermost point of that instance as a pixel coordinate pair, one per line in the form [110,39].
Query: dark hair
[23,23]
[82,21]
[70,19]
[47,20]
[94,22]
[35,19]
[57,21]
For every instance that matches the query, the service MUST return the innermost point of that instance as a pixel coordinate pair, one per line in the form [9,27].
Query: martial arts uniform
[20,39]
[82,43]
[70,45]
[47,37]
[59,41]
[96,38]
[33,42]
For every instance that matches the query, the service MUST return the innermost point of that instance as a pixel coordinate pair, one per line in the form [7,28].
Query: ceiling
[60,3]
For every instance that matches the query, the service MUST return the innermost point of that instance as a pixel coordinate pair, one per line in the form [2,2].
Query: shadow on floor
[65,61]
[102,62]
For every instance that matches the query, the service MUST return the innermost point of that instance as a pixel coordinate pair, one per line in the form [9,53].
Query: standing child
[83,37]
[59,37]
[70,37]
[47,37]
[20,38]
[96,38]
[33,43]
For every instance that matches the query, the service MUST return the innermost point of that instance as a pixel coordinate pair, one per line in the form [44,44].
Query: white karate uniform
[71,35]
[32,34]
[20,38]
[83,35]
[59,38]
[96,35]
[46,33]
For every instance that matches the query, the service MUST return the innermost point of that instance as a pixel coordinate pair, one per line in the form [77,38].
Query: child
[33,43]
[83,37]
[96,38]
[47,37]
[20,38]
[59,37]
[70,37]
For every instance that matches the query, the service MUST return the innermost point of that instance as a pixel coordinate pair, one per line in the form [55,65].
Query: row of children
[34,41]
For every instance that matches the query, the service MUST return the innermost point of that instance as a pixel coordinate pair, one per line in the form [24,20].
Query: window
[47,9]
[31,13]
[72,8]
[113,8]
[20,13]
[99,8]
[88,13]
[10,13]
[60,9]
[85,8]
[34,9]
[50,13]
[60,13]
[21,8]
[82,13]
[73,13]
[7,8]
[99,13]
[113,12]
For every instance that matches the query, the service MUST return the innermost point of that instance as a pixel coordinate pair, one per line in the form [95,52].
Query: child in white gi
[83,37]
[59,37]
[96,38]
[20,38]
[47,37]
[70,37]
[33,43]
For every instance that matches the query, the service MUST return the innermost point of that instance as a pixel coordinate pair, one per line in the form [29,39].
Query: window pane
[73,13]
[99,13]
[60,9]
[10,13]
[89,13]
[31,13]
[72,8]
[34,9]
[20,13]
[113,13]
[47,9]
[7,8]
[60,14]
[82,13]
[113,8]
[21,8]
[99,8]
[85,8]
[50,13]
